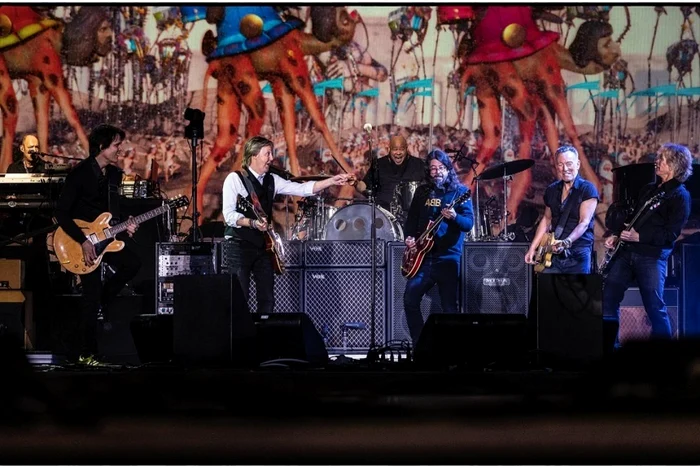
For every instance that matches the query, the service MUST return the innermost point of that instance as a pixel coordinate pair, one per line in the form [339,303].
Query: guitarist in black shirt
[90,190]
[641,260]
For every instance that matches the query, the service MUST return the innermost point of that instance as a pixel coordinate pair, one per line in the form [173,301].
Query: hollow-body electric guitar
[273,242]
[103,236]
[649,205]
[413,257]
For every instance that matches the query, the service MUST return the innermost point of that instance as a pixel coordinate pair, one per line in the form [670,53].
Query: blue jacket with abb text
[427,204]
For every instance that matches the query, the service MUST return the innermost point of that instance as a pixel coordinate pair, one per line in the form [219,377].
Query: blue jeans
[444,272]
[578,262]
[649,273]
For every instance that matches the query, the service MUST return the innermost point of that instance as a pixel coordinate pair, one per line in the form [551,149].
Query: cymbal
[506,169]
[309,178]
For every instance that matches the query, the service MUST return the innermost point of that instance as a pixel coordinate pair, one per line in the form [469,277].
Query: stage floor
[347,414]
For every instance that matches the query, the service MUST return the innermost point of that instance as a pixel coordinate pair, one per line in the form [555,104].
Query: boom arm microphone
[368,127]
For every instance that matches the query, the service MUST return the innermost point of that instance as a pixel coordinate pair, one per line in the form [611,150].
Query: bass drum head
[354,222]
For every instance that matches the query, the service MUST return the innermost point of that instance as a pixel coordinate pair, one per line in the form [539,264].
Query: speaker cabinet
[289,336]
[346,253]
[569,318]
[495,278]
[691,292]
[397,329]
[289,292]
[473,341]
[212,324]
[338,301]
[114,338]
[634,323]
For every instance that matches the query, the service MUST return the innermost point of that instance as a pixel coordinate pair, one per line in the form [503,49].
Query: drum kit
[489,216]
[319,219]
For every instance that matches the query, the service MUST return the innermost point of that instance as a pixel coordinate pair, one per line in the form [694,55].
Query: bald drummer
[398,167]
[30,163]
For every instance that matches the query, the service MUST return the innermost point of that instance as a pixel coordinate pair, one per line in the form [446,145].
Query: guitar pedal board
[181,259]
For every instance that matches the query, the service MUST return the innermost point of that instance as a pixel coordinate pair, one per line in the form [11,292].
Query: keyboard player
[30,163]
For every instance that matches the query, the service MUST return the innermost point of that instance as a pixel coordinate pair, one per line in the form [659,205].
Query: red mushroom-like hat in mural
[508,33]
[18,24]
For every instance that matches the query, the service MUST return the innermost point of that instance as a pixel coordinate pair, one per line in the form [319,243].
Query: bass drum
[354,222]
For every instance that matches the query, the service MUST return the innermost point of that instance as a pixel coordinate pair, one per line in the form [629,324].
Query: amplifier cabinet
[180,259]
[634,323]
[495,278]
[336,254]
[289,292]
[397,329]
[338,301]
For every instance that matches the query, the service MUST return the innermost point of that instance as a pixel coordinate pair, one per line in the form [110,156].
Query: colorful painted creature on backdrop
[253,44]
[30,49]
[507,56]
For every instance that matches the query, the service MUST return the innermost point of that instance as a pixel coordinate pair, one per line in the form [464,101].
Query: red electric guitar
[413,257]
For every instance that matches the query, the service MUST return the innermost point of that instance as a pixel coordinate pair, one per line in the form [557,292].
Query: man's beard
[439,181]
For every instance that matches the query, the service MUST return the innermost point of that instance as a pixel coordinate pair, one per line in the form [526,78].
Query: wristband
[567,243]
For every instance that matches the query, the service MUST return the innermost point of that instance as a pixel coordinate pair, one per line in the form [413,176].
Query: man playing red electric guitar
[441,264]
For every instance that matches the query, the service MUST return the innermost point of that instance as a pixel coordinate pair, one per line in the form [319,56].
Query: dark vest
[266,195]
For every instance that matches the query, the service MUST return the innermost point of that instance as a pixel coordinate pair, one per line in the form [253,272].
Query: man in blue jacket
[441,263]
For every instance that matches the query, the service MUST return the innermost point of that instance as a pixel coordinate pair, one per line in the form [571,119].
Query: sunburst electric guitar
[273,242]
[649,205]
[103,237]
[413,257]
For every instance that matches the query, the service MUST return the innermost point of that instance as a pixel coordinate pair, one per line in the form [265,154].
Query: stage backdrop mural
[490,84]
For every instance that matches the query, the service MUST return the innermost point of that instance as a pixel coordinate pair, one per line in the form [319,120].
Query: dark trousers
[444,272]
[578,262]
[649,274]
[126,265]
[244,259]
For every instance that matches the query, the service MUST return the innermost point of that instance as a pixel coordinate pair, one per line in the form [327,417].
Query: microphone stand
[195,213]
[39,154]
[373,246]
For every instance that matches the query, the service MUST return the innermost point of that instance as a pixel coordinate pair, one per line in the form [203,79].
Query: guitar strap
[243,174]
[113,175]
[567,211]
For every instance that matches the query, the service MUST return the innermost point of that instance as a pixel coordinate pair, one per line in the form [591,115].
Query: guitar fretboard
[114,230]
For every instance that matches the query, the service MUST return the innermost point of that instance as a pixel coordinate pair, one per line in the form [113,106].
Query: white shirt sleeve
[232,188]
[286,187]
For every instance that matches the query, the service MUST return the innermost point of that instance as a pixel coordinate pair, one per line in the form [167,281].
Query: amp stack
[337,293]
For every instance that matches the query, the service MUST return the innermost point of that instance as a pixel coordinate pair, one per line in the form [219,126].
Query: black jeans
[126,265]
[649,273]
[444,272]
[244,259]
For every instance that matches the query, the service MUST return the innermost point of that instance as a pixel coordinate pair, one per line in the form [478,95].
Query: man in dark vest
[245,232]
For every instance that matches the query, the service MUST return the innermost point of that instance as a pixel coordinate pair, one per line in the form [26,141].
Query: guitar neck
[114,230]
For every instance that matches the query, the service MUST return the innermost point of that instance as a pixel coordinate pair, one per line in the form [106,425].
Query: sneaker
[90,361]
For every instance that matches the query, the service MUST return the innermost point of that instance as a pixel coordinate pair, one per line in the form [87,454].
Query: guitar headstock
[462,198]
[181,201]
[243,204]
[655,201]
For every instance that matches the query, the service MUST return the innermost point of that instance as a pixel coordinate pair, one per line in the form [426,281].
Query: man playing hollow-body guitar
[649,242]
[570,204]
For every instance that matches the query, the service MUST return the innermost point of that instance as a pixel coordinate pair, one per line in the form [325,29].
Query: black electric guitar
[649,205]
[273,242]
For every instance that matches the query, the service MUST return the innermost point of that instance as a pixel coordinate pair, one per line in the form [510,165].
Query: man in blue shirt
[572,225]
[441,263]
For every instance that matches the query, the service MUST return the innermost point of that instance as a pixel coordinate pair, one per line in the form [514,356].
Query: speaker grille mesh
[397,329]
[288,293]
[495,278]
[334,297]
[343,253]
[293,255]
